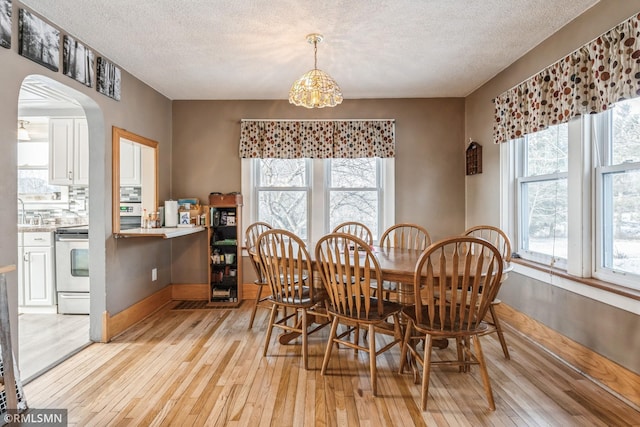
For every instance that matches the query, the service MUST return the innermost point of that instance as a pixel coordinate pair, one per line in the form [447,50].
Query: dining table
[397,266]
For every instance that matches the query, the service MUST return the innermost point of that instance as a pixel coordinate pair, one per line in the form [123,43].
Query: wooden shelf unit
[224,230]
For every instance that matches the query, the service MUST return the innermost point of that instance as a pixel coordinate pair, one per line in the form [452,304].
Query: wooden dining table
[396,264]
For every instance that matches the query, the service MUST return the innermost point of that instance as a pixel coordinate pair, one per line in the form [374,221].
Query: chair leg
[327,353]
[484,373]
[405,346]
[426,370]
[372,360]
[496,322]
[462,366]
[272,318]
[305,338]
[356,338]
[255,307]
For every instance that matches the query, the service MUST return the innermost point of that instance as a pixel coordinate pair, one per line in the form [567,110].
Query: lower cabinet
[36,286]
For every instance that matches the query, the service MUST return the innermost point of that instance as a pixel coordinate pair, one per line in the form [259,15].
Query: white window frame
[603,138]
[378,189]
[588,136]
[318,198]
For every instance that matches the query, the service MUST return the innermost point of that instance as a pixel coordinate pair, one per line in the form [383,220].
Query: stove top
[73,229]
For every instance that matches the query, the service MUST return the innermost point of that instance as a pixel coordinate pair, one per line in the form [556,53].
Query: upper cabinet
[68,151]
[129,163]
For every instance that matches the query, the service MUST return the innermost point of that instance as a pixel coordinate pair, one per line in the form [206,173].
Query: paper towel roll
[171,213]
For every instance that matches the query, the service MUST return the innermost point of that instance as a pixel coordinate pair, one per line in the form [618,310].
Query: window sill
[595,283]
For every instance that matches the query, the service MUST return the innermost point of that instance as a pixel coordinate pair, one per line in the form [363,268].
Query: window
[354,193]
[310,197]
[618,192]
[33,174]
[574,195]
[542,191]
[283,190]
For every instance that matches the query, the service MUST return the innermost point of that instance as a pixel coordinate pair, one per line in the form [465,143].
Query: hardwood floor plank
[205,368]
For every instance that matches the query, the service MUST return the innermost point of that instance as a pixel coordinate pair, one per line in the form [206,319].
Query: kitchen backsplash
[78,207]
[79,199]
[130,194]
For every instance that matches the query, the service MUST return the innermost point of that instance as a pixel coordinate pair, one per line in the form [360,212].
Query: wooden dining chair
[403,236]
[251,238]
[357,229]
[287,267]
[346,266]
[500,240]
[468,271]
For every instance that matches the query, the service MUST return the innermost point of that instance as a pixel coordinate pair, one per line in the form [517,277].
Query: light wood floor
[45,339]
[203,367]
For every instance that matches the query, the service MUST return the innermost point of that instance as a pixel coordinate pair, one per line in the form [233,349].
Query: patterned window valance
[317,139]
[588,80]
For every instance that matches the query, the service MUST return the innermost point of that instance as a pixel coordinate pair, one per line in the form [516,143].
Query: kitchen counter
[36,228]
[47,227]
[164,232]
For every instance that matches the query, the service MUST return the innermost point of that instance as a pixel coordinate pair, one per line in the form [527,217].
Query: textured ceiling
[255,49]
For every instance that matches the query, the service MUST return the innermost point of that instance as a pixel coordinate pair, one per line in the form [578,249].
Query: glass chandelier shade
[315,89]
[23,134]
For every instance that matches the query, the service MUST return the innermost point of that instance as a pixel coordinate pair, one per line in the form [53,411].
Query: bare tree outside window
[621,189]
[283,194]
[543,190]
[351,192]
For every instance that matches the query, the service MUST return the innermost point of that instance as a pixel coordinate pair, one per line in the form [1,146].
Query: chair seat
[299,299]
[389,308]
[448,329]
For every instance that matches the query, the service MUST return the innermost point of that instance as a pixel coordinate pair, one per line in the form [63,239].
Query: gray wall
[120,270]
[609,331]
[483,196]
[429,163]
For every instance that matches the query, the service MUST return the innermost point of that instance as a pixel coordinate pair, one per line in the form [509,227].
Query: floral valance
[588,80]
[317,139]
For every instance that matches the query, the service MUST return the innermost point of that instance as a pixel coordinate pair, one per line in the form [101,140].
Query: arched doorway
[54,277]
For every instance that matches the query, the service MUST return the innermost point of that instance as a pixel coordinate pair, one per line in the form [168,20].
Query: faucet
[22,221]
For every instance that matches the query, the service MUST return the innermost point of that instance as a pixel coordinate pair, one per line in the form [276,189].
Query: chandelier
[315,89]
[23,134]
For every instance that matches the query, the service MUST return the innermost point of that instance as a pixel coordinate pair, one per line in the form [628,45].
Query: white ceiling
[255,49]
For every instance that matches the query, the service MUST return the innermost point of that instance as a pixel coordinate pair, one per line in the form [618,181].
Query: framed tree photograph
[109,79]
[38,41]
[5,23]
[77,61]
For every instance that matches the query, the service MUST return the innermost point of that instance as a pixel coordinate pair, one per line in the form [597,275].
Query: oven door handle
[71,239]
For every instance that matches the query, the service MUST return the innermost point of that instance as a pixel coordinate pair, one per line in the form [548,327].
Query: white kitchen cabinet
[130,169]
[68,151]
[36,286]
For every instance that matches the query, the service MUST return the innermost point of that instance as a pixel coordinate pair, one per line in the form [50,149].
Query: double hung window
[617,178]
[310,197]
[575,195]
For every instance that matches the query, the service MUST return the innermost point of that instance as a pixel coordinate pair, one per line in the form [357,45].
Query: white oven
[130,215]
[72,270]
